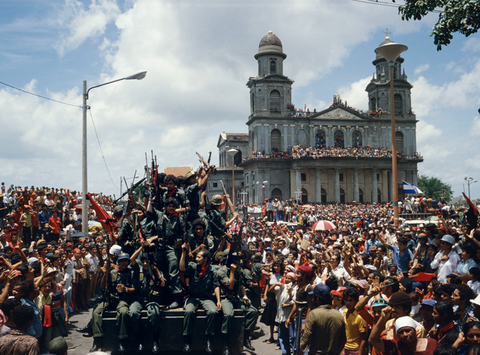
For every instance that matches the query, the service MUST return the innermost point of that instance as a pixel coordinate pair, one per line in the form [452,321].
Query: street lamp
[138,76]
[390,52]
[232,153]
[469,181]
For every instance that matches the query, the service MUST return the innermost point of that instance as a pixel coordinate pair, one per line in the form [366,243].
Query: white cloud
[83,24]
[420,69]
[475,130]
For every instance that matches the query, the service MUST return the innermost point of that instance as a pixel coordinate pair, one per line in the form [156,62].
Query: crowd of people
[365,286]
[298,152]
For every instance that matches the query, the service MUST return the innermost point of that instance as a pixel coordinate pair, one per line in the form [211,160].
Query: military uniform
[168,248]
[119,301]
[216,226]
[201,292]
[233,301]
[179,195]
[126,237]
[149,296]
[251,277]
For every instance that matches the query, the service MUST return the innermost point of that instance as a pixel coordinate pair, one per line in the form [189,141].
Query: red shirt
[55,224]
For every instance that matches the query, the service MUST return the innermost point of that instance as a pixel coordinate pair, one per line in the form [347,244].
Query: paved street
[81,345]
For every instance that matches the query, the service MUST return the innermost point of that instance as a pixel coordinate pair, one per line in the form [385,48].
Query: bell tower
[270,90]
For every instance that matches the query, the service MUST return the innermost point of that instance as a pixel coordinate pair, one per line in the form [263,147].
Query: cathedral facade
[337,155]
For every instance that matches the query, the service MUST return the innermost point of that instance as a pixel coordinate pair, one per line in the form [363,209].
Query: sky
[198,55]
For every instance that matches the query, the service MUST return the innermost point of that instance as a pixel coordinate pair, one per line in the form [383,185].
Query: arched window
[379,196]
[276,193]
[342,195]
[320,139]
[276,141]
[275,103]
[356,139]
[360,195]
[399,141]
[373,104]
[324,196]
[398,100]
[304,196]
[273,67]
[339,141]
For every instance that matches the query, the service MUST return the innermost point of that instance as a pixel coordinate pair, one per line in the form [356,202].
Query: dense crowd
[298,152]
[362,287]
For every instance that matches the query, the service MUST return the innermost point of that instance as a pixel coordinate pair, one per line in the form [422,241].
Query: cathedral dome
[270,43]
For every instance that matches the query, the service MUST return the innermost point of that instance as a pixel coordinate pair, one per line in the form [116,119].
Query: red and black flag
[472,213]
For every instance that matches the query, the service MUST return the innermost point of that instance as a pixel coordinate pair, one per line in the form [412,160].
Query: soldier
[122,287]
[231,284]
[192,191]
[177,193]
[198,239]
[168,246]
[203,283]
[152,283]
[125,237]
[217,223]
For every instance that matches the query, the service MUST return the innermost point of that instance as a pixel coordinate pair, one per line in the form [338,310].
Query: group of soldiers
[174,230]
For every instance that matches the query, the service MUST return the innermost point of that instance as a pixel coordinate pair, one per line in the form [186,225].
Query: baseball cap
[320,290]
[430,302]
[123,256]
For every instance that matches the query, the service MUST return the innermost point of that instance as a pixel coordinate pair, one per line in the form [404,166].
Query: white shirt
[445,268]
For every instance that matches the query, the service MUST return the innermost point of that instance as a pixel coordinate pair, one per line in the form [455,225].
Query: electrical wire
[388,4]
[101,150]
[43,97]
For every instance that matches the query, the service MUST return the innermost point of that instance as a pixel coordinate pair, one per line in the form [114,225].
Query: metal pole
[233,183]
[394,150]
[298,333]
[84,161]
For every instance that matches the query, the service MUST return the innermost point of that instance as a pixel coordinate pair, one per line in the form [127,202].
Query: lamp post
[232,153]
[390,52]
[138,76]
[469,181]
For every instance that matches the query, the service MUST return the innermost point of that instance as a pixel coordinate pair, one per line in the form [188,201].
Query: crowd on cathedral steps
[360,286]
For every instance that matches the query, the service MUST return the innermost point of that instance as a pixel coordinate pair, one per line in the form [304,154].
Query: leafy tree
[435,188]
[456,16]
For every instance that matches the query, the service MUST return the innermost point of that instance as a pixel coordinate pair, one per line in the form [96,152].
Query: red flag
[470,203]
[423,276]
[472,213]
[107,221]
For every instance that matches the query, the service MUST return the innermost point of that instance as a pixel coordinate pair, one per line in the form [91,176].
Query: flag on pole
[410,189]
[472,213]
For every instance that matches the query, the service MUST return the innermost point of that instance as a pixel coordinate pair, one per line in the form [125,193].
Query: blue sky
[199,56]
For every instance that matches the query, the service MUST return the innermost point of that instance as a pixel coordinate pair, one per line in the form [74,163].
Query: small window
[273,67]
[242,184]
[340,176]
[378,177]
[304,177]
[215,184]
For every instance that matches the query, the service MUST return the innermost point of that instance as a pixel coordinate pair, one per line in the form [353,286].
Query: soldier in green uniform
[216,221]
[252,274]
[151,283]
[176,193]
[125,237]
[193,188]
[168,246]
[198,239]
[231,284]
[122,288]
[203,284]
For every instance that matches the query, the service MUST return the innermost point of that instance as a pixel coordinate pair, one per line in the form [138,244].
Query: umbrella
[307,206]
[323,226]
[94,225]
[432,218]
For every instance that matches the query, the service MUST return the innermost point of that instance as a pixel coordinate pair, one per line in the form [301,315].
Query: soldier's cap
[58,345]
[118,208]
[217,200]
[218,256]
[123,256]
[307,270]
[189,174]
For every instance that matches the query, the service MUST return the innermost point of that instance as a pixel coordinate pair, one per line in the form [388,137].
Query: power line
[388,4]
[43,97]
[101,150]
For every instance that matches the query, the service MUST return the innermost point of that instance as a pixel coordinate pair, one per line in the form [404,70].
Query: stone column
[356,194]
[298,180]
[374,186]
[318,186]
[337,186]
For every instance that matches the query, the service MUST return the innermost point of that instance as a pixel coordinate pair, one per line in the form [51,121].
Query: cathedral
[338,155]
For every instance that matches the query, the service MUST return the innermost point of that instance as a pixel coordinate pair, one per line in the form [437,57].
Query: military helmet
[217,200]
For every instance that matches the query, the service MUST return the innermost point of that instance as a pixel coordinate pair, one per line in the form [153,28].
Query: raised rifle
[229,202]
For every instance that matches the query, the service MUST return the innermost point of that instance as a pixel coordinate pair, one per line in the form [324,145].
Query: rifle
[230,204]
[206,165]
[130,205]
[126,192]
